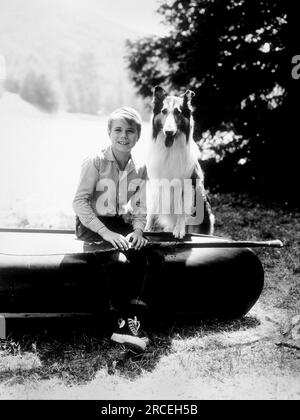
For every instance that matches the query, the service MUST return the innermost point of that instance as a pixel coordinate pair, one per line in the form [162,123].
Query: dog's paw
[179,232]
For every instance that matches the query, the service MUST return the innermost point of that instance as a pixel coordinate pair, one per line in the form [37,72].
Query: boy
[110,194]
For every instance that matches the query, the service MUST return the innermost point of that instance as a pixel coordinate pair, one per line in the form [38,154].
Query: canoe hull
[205,282]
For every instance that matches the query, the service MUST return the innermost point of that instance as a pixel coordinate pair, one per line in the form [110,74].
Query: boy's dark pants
[129,274]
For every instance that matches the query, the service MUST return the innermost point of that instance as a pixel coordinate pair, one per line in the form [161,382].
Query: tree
[28,88]
[233,54]
[46,97]
[37,90]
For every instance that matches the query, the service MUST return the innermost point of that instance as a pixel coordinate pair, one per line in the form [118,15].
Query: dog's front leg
[150,221]
[179,230]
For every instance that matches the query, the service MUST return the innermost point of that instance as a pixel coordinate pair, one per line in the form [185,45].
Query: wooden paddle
[63,242]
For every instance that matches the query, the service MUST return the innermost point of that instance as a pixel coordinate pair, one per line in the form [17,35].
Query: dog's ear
[187,99]
[159,94]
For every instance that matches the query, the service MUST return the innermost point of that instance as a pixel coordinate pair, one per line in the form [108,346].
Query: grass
[256,357]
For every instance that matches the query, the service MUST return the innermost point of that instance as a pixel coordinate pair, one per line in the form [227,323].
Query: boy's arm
[81,203]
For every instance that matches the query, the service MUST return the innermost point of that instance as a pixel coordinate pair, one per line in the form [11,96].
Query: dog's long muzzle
[170,137]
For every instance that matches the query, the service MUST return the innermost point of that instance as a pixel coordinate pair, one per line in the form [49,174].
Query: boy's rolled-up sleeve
[82,200]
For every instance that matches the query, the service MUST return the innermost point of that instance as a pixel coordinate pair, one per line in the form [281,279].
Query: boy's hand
[136,238]
[118,241]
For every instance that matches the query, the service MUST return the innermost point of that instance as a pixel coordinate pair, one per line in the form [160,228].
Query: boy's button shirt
[105,190]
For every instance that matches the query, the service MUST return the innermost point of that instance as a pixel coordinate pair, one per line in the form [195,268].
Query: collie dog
[176,199]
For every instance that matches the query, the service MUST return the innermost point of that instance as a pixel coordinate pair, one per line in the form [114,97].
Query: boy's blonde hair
[128,114]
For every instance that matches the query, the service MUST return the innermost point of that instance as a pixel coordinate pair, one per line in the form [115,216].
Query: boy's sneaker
[129,333]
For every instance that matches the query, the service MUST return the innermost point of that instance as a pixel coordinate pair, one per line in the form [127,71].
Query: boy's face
[123,135]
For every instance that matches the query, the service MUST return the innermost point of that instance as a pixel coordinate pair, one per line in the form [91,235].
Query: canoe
[53,272]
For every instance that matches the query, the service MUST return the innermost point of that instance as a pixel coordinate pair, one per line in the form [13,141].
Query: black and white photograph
[149,211]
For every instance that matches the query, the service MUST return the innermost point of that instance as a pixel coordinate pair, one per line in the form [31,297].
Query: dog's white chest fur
[176,162]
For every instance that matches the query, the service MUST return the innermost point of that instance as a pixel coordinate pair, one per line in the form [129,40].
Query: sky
[138,15]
